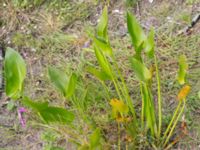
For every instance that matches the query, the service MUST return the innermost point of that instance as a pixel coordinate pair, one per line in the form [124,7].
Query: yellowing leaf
[118,107]
[121,119]
[184,92]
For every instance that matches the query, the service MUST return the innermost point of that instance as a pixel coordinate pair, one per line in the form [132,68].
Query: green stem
[116,87]
[159,98]
[152,110]
[125,90]
[142,112]
[170,124]
[173,127]
[106,88]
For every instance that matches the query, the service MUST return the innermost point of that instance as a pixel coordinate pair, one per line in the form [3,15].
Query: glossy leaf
[141,71]
[98,73]
[50,114]
[59,79]
[95,139]
[149,44]
[135,31]
[103,25]
[15,72]
[183,67]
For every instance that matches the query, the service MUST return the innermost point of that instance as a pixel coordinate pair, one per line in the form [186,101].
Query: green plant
[108,72]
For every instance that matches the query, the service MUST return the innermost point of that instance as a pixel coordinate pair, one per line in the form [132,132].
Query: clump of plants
[147,124]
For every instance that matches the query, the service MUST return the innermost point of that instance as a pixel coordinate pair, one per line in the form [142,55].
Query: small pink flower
[20,111]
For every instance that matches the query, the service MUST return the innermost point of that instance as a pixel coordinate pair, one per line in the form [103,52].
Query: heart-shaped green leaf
[15,72]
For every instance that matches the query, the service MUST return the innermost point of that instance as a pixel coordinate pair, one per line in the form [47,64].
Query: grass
[58,38]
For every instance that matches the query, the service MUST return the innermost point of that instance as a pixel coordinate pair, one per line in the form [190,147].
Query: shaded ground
[55,33]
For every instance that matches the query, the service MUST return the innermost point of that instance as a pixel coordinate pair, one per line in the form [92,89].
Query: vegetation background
[54,32]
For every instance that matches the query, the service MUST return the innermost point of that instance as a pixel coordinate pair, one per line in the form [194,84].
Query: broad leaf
[98,73]
[59,79]
[95,139]
[141,71]
[135,31]
[56,114]
[103,25]
[50,114]
[71,85]
[149,44]
[183,67]
[15,72]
